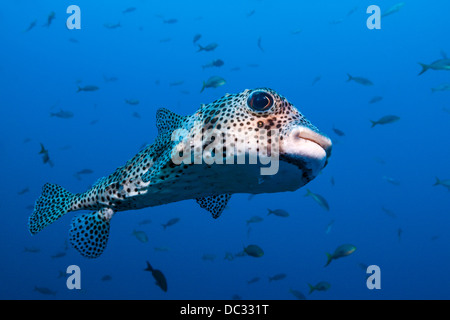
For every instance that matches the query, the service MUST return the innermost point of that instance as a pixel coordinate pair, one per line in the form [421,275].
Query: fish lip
[323,141]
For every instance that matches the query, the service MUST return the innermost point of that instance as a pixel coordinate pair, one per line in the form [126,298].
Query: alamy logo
[74,21]
[74,280]
[374,278]
[374,21]
[213,146]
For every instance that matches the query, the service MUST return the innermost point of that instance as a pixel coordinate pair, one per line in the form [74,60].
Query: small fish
[388,212]
[332,180]
[161,249]
[254,251]
[352,11]
[340,252]
[110,79]
[50,18]
[279,212]
[128,10]
[236,297]
[360,80]
[209,47]
[45,291]
[279,276]
[31,249]
[446,109]
[133,102]
[441,64]
[170,21]
[254,219]
[444,183]
[297,294]
[23,191]
[213,82]
[393,181]
[45,156]
[315,80]
[158,276]
[385,120]
[337,21]
[214,63]
[393,9]
[58,255]
[143,222]
[399,234]
[165,40]
[171,222]
[85,171]
[176,83]
[321,286]
[442,87]
[136,115]
[319,199]
[63,114]
[251,13]
[208,257]
[375,99]
[141,236]
[106,278]
[112,26]
[196,38]
[253,280]
[296,31]
[31,26]
[228,256]
[259,44]
[73,40]
[87,88]
[329,226]
[340,133]
[82,172]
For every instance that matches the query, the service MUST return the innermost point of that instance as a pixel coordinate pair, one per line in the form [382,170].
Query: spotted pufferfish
[152,178]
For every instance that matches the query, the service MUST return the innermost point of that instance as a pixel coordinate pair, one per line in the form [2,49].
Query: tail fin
[308,192]
[425,67]
[349,77]
[90,232]
[200,48]
[53,203]
[270,211]
[79,89]
[149,267]
[438,182]
[311,288]
[203,88]
[329,258]
[374,123]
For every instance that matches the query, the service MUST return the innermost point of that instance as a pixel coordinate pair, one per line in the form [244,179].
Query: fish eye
[260,101]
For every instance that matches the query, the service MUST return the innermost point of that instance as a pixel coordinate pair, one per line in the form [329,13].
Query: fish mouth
[309,150]
[309,135]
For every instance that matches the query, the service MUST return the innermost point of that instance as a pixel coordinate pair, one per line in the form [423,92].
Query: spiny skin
[152,178]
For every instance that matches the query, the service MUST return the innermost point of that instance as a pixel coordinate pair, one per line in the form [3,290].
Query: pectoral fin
[214,204]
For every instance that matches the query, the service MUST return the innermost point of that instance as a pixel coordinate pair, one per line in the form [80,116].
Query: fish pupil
[260,101]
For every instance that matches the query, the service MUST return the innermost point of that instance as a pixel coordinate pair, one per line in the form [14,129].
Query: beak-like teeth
[321,140]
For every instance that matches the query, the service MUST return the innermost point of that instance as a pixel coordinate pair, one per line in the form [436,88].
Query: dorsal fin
[214,204]
[167,121]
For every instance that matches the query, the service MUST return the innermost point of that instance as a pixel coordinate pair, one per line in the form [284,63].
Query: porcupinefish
[250,125]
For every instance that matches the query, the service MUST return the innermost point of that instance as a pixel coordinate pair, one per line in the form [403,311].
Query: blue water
[41,69]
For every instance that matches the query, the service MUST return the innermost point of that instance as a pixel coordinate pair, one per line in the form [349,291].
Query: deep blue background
[39,71]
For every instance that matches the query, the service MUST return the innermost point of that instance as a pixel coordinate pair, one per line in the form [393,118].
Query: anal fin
[214,204]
